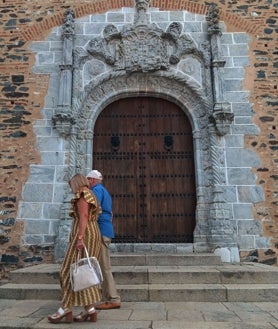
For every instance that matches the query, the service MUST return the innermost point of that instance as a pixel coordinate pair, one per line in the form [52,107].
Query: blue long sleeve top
[105,219]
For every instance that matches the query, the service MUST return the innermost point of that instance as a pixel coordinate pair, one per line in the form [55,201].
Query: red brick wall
[22,96]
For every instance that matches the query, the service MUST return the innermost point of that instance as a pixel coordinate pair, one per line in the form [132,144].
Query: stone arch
[183,92]
[196,106]
[98,95]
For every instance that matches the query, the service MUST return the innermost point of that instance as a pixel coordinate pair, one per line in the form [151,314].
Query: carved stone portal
[141,58]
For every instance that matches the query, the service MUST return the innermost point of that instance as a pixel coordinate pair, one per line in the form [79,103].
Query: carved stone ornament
[222,118]
[213,19]
[141,47]
[68,26]
[63,122]
[141,10]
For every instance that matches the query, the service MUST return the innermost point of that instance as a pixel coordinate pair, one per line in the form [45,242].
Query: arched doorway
[144,148]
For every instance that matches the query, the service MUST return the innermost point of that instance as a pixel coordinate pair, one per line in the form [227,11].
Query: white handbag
[85,272]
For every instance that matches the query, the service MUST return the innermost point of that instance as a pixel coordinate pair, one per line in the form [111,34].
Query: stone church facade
[193,55]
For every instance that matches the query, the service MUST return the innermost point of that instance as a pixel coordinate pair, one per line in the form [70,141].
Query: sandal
[60,314]
[90,313]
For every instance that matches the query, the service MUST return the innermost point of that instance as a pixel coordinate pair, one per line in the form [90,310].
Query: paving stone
[210,325]
[32,314]
[148,315]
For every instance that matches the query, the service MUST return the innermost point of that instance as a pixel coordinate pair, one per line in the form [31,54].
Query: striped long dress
[92,240]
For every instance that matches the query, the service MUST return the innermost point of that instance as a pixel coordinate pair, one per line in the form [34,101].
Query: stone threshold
[171,248]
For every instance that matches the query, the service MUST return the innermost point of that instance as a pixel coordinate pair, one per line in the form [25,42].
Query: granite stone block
[35,226]
[251,194]
[237,157]
[41,174]
[33,192]
[241,176]
[243,210]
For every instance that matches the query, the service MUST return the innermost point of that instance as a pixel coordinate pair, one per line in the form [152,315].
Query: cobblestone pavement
[147,315]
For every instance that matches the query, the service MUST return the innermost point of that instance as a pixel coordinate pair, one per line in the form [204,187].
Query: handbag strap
[87,257]
[86,252]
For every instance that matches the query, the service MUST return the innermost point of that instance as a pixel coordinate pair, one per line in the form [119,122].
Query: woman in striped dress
[85,211]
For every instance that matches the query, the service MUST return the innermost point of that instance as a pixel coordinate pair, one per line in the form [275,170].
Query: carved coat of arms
[141,47]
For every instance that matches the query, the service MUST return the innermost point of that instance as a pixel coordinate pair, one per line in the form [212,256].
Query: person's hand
[80,244]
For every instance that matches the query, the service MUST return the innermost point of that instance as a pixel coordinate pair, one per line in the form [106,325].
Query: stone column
[202,207]
[64,122]
[222,233]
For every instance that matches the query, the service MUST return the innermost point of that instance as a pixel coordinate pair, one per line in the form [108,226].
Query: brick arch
[34,31]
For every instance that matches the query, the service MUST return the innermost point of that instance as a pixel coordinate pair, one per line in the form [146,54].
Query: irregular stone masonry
[23,94]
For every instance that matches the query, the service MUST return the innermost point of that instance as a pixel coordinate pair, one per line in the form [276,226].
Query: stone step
[150,248]
[160,277]
[48,273]
[42,273]
[37,291]
[221,274]
[159,259]
[226,274]
[157,292]
[200,292]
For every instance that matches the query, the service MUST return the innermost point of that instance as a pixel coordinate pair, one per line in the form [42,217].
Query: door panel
[143,147]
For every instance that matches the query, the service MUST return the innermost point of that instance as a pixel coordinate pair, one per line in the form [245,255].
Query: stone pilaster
[64,122]
[222,117]
[63,119]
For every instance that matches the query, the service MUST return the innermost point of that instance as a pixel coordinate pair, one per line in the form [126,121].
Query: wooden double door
[143,146]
